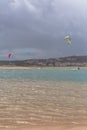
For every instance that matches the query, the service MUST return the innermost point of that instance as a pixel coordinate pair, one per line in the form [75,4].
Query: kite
[9,55]
[68,39]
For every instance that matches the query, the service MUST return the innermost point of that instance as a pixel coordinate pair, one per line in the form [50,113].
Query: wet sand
[48,128]
[57,128]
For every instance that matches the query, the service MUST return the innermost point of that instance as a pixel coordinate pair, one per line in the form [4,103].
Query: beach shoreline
[38,67]
[59,127]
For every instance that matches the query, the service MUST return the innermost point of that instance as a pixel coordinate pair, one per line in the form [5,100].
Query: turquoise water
[45,74]
[32,97]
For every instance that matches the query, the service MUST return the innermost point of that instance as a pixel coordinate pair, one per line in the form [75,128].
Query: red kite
[9,55]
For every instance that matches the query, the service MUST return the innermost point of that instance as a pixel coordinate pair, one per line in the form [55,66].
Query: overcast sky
[36,28]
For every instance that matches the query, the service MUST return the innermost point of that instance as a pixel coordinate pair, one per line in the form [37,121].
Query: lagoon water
[51,96]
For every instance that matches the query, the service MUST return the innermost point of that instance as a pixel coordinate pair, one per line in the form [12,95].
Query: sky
[36,28]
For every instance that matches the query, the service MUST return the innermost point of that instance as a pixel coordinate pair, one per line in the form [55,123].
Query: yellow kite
[68,39]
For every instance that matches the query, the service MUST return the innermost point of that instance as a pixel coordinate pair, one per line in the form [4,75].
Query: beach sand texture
[48,128]
[68,126]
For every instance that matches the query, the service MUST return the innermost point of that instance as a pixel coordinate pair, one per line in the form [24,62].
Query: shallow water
[26,102]
[49,74]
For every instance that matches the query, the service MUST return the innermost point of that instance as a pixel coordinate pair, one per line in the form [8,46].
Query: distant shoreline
[37,67]
[70,61]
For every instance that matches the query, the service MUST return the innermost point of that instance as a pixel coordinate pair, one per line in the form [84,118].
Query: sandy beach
[48,128]
[55,127]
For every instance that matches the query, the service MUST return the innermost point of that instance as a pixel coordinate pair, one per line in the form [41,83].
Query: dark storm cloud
[41,25]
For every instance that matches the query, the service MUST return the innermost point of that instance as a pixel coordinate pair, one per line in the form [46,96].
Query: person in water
[78,68]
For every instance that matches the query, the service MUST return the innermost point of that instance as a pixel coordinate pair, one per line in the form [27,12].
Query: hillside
[60,62]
